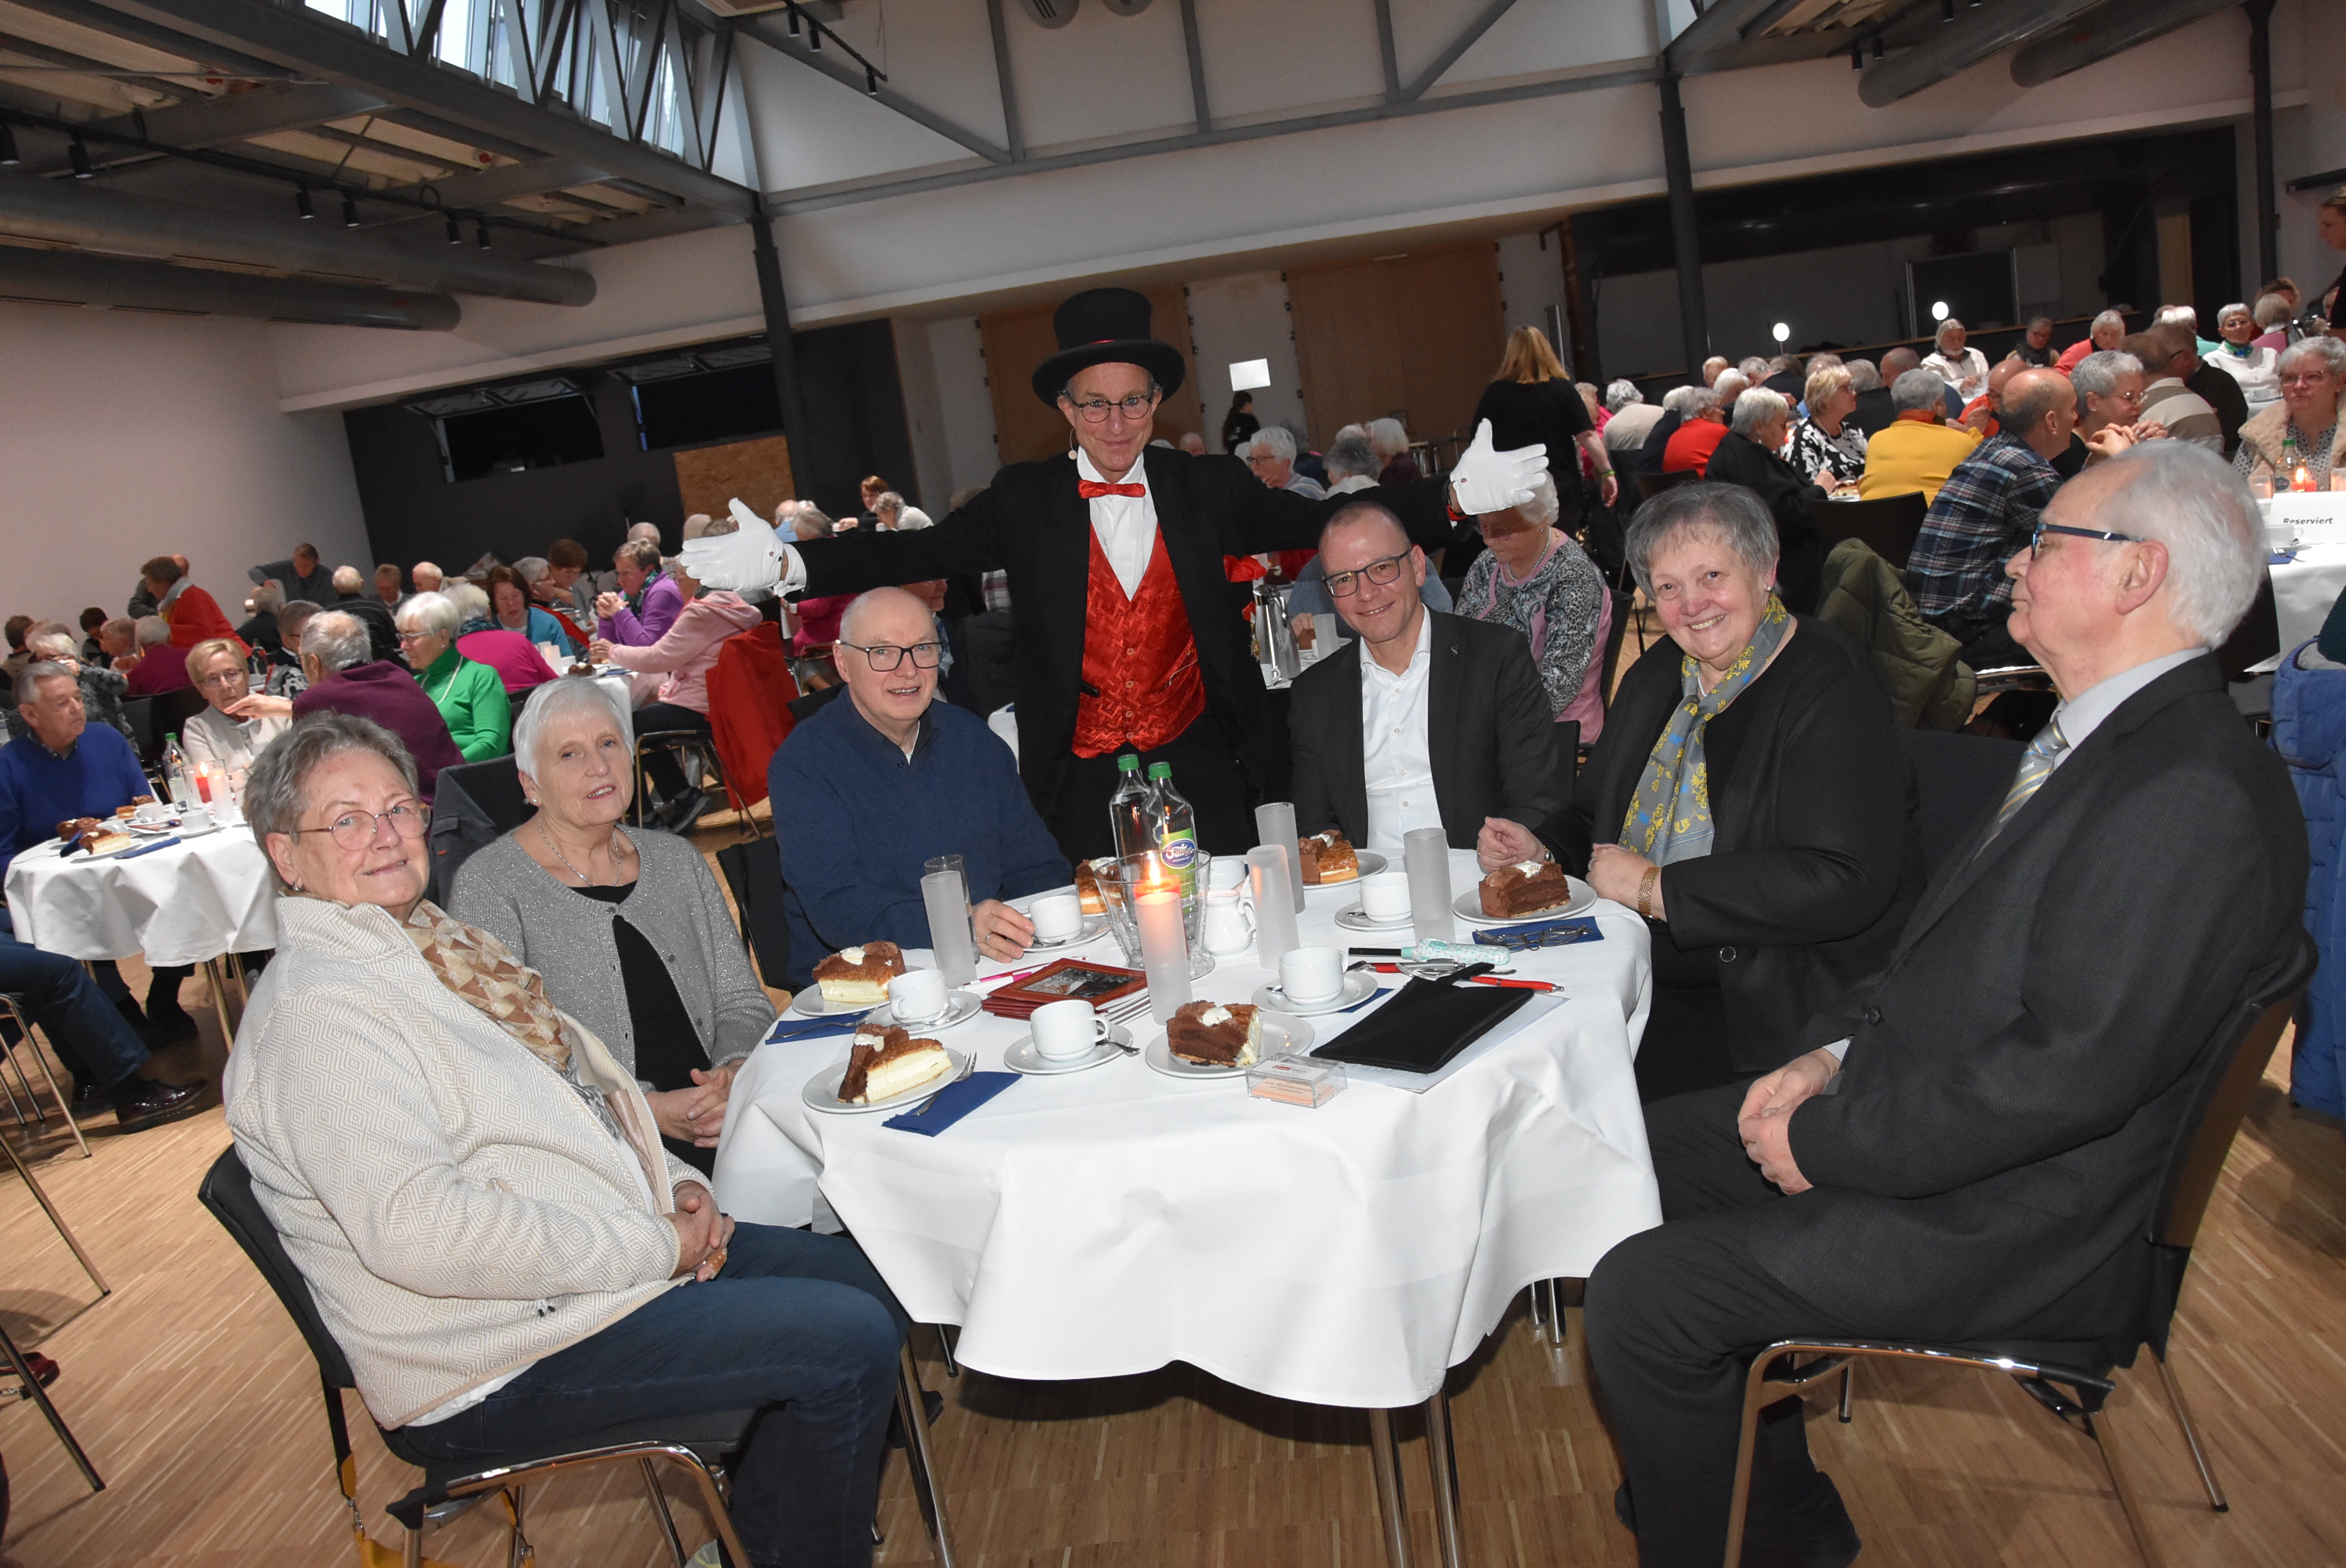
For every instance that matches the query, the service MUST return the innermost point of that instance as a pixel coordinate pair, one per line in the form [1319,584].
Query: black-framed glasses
[885,656]
[356,829]
[2036,536]
[1095,409]
[1387,569]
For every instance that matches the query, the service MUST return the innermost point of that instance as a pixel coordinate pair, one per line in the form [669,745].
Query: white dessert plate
[811,1004]
[1023,1058]
[1357,918]
[822,1090]
[1469,906]
[1359,984]
[961,1006]
[1280,1036]
[1371,862]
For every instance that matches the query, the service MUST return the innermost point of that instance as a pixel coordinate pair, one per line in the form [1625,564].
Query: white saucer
[1094,925]
[1359,985]
[961,1006]
[822,1090]
[1469,906]
[811,1004]
[1357,918]
[1023,1058]
[1282,1035]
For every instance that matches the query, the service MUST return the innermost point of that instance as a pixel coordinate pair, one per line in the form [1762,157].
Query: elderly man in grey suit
[1975,1156]
[1423,719]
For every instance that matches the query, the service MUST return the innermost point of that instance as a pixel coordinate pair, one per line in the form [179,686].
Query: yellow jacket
[1913,454]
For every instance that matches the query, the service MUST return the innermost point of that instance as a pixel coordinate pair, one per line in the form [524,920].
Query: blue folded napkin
[785,1029]
[951,1102]
[2280,557]
[1549,932]
[147,849]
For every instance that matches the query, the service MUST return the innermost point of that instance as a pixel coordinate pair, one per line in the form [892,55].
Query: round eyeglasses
[356,829]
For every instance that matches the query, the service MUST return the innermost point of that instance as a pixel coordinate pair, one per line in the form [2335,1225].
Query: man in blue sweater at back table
[869,789]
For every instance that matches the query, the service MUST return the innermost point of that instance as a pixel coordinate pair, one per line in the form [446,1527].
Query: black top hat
[1105,327]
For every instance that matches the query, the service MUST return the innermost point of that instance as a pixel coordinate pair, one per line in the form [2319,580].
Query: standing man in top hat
[1130,637]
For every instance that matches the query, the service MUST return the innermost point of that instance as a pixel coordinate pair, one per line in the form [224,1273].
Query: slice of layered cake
[858,976]
[886,1062]
[1215,1034]
[1087,886]
[1525,888]
[1328,857]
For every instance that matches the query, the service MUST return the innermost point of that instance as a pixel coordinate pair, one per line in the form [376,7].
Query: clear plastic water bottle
[1175,823]
[1132,809]
[175,771]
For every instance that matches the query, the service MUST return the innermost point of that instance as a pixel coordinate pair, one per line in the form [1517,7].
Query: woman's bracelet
[1646,885]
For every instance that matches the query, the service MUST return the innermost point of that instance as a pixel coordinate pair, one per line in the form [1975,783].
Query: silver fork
[1121,1014]
[968,1063]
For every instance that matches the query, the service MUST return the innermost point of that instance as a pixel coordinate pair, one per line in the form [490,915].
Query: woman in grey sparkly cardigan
[627,928]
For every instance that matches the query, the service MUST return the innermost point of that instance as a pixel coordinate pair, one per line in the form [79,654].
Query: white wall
[965,402]
[1245,317]
[125,436]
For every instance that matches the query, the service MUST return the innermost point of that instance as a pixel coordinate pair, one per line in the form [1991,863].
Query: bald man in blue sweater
[870,789]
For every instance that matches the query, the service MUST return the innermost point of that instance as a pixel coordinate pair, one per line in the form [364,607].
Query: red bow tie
[1092,491]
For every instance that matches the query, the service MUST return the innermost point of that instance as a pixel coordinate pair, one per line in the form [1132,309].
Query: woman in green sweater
[469,695]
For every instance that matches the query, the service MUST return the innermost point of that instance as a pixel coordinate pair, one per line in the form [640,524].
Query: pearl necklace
[583,877]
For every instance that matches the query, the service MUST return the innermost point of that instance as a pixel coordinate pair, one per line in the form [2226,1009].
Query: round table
[1108,1222]
[190,903]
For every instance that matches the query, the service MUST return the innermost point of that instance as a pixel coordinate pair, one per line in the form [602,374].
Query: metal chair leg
[1392,1498]
[2192,1436]
[215,977]
[2098,1428]
[65,1103]
[519,1553]
[925,1487]
[58,1220]
[946,1348]
[1440,1460]
[1539,1308]
[660,1513]
[40,1396]
[1847,1376]
[1555,1323]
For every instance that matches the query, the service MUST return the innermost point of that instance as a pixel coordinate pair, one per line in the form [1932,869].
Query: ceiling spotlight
[814,38]
[1857,56]
[350,211]
[871,81]
[1938,309]
[456,231]
[481,231]
[1780,332]
[1877,45]
[302,202]
[8,157]
[78,155]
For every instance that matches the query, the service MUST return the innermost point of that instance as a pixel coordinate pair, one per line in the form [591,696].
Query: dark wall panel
[855,405]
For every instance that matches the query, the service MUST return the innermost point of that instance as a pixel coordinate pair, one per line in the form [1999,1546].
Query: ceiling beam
[509,182]
[306,41]
[770,32]
[784,206]
[1013,127]
[1466,40]
[1196,51]
[1387,54]
[1719,26]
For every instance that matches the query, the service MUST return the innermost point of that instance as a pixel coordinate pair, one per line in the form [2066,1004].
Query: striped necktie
[2035,767]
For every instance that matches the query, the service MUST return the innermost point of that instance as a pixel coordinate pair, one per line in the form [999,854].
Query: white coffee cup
[1227,871]
[1386,896]
[1065,1029]
[1312,974]
[1056,916]
[197,818]
[917,996]
[152,811]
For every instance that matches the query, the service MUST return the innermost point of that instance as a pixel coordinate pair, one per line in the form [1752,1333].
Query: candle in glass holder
[1164,947]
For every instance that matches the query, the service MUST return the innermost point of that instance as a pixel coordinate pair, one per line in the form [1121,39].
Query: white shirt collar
[1418,660]
[2083,714]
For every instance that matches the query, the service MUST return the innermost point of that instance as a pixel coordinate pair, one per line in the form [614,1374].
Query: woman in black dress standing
[1239,424]
[1533,400]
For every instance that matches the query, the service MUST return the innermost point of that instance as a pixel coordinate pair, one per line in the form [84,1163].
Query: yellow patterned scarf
[1670,816]
[482,969]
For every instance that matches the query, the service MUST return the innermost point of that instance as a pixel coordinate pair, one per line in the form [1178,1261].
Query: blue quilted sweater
[2309,709]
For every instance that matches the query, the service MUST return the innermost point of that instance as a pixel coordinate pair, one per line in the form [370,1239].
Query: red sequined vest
[1139,657]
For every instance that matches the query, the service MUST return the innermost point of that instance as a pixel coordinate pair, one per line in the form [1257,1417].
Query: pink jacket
[688,650]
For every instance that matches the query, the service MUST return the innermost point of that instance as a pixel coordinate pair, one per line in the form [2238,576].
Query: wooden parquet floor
[197,1401]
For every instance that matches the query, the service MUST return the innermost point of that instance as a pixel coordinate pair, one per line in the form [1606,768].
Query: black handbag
[1426,1024]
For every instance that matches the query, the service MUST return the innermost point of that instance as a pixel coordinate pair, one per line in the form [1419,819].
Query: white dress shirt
[1396,762]
[1125,525]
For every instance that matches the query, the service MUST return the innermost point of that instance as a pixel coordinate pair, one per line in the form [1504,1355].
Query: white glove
[1486,480]
[752,558]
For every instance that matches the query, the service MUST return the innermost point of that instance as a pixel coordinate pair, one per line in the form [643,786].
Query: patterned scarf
[1670,816]
[482,969]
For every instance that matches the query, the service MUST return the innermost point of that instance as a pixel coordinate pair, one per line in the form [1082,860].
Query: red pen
[1513,984]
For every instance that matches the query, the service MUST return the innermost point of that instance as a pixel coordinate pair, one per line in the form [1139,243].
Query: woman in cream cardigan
[627,927]
[475,1189]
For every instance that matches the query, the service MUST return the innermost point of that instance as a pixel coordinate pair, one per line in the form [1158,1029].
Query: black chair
[2072,1381]
[171,710]
[1958,779]
[696,753]
[753,874]
[1652,485]
[692,1443]
[139,713]
[2255,639]
[805,707]
[1625,610]
[473,804]
[1889,525]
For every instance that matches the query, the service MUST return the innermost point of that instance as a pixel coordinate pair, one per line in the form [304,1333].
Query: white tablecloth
[2304,589]
[1110,1221]
[186,905]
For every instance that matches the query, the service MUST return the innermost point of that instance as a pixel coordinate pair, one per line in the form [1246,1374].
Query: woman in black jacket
[1749,798]
[1239,424]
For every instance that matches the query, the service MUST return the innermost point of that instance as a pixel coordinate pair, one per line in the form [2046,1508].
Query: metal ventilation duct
[2104,31]
[93,217]
[73,278]
[1979,33]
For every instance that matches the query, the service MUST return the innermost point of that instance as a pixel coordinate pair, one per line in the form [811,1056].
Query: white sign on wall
[1248,375]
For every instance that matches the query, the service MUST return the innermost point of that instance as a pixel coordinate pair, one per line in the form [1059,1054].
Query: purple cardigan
[663,602]
[388,695]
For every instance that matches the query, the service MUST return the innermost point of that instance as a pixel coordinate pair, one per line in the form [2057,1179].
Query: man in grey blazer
[1975,1156]
[1421,719]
